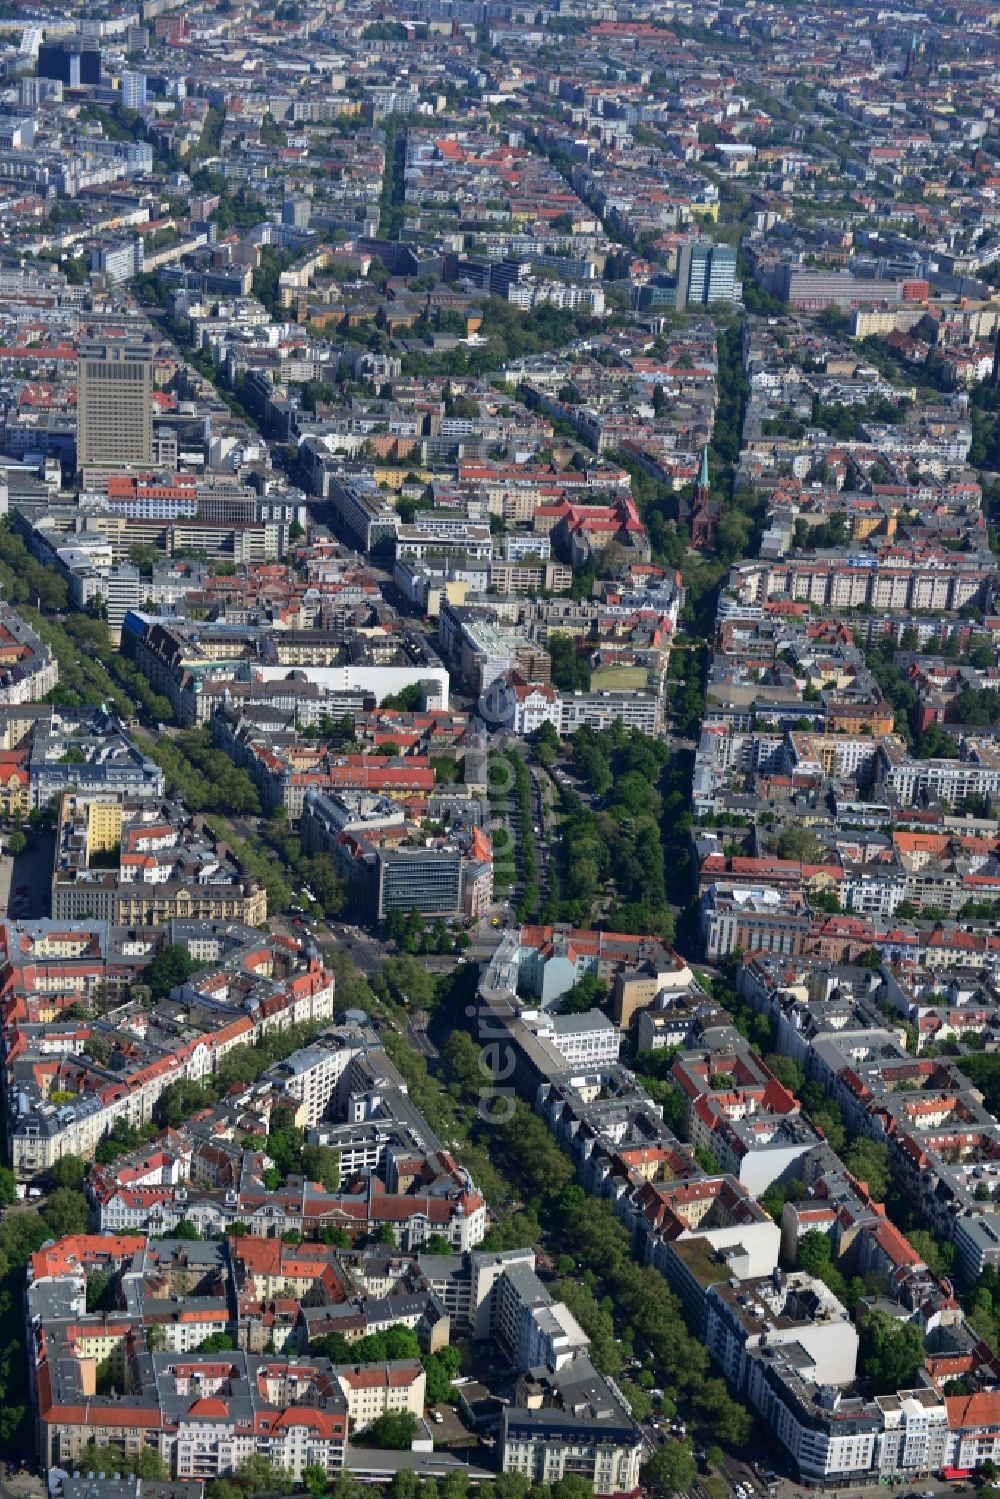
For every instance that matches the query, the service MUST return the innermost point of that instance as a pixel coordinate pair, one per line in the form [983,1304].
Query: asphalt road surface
[421,1042]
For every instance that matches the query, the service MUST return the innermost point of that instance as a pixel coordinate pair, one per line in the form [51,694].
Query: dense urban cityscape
[499,749]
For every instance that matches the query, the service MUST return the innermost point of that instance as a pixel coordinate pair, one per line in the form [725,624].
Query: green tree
[825,1113]
[285,1142]
[258,1475]
[732,1423]
[597,1321]
[461,1056]
[98,1290]
[672,1469]
[814,1252]
[588,993]
[216,1342]
[546,744]
[71,1171]
[335,1347]
[173,965]
[527,1147]
[407,977]
[8,1186]
[512,1486]
[315,1480]
[394,1430]
[799,843]
[182,1099]
[570,668]
[321,1164]
[890,1351]
[937,1254]
[146,1463]
[123,1137]
[66,1212]
[868,1160]
[440,1369]
[446,770]
[98,1048]
[337,1237]
[787,1070]
[346,1486]
[572,1486]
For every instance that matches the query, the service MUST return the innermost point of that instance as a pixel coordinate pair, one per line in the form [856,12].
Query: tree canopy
[890,1352]
[172,966]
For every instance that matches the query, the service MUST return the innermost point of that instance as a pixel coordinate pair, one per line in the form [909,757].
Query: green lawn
[619,678]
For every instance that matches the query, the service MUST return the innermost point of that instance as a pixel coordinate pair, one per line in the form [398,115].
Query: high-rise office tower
[74,61]
[296,212]
[706,273]
[721,283]
[134,91]
[703,273]
[114,421]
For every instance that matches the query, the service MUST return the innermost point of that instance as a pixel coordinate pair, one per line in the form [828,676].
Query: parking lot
[449,1432]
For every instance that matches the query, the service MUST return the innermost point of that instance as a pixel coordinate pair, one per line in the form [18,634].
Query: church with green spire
[704,510]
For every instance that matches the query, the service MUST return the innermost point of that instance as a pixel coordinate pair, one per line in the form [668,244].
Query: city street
[416,1034]
[366,953]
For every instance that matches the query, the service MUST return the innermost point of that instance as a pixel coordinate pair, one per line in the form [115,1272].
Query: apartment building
[259,986]
[571,1422]
[752,919]
[204,1415]
[28,669]
[311,1077]
[145,864]
[582,1040]
[534,1327]
[780,1310]
[88,750]
[372,1391]
[925,582]
[976,773]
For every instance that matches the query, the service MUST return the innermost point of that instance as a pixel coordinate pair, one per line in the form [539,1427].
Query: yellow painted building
[104,826]
[15,796]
